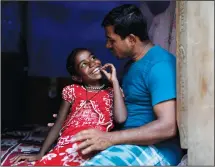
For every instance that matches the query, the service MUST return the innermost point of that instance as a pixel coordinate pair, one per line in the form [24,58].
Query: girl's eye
[83,65]
[93,58]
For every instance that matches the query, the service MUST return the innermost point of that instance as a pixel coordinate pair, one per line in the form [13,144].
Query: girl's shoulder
[73,87]
[109,89]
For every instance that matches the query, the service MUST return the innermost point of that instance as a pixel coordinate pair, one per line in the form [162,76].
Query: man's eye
[111,41]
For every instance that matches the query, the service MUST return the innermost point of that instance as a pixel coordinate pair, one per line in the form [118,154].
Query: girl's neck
[93,84]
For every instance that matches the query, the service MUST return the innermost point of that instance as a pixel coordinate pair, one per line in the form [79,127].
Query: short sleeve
[68,94]
[162,82]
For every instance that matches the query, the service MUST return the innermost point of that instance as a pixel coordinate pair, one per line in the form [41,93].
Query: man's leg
[128,155]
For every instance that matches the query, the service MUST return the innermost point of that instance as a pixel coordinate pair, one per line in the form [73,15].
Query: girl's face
[88,67]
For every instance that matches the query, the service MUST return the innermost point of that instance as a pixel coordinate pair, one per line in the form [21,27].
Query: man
[148,137]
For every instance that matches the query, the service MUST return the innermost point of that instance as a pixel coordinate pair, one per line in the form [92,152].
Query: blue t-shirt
[147,82]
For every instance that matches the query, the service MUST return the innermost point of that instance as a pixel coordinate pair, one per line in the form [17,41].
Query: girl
[90,103]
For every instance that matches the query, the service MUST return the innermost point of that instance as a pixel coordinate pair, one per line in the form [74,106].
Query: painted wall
[54,29]
[10,26]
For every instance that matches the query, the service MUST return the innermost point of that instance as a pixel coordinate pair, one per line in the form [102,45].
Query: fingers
[85,144]
[50,124]
[16,159]
[108,65]
[89,149]
[106,74]
[111,66]
[13,159]
[20,158]
[83,135]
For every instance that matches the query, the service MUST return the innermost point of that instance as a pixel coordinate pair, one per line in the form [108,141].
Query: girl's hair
[70,63]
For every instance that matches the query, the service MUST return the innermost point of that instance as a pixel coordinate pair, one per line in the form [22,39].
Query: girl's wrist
[115,82]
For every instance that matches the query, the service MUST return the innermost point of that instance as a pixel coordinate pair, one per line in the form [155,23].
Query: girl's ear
[76,78]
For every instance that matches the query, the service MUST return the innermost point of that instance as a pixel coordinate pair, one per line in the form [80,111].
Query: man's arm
[156,131]
[161,129]
[161,83]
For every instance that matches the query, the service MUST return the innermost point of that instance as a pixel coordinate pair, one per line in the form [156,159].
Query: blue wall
[10,26]
[54,29]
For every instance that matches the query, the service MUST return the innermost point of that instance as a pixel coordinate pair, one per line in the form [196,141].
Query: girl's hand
[111,76]
[52,124]
[29,158]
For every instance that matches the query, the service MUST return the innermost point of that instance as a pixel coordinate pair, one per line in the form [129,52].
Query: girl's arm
[52,136]
[120,111]
[54,132]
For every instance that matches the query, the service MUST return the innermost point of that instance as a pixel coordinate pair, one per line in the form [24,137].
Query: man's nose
[108,45]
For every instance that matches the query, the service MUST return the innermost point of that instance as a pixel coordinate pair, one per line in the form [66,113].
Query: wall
[10,26]
[55,28]
[49,31]
[196,68]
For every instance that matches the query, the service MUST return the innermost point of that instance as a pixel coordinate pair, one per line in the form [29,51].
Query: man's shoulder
[158,55]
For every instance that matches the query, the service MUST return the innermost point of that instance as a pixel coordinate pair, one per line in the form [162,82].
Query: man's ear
[132,38]
[76,78]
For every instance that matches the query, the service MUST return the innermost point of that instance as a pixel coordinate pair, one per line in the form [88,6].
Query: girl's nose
[92,63]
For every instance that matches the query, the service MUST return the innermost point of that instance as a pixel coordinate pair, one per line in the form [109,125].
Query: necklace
[95,88]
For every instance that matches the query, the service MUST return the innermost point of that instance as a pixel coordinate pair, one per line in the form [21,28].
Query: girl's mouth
[96,70]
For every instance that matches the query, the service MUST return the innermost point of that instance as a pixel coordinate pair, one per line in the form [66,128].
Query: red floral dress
[96,113]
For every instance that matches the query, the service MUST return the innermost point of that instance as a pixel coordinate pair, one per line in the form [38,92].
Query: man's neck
[141,50]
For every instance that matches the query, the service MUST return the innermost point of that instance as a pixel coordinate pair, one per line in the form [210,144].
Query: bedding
[27,139]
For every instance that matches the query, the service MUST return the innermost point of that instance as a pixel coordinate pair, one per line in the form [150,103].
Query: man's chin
[120,57]
[117,56]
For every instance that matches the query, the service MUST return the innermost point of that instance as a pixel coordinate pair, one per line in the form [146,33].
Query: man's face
[119,47]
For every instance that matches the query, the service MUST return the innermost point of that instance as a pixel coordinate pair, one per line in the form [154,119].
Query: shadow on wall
[13,84]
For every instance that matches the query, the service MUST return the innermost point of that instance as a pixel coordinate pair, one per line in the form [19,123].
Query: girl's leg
[62,156]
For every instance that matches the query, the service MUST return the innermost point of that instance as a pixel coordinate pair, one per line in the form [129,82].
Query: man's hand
[52,124]
[29,158]
[93,140]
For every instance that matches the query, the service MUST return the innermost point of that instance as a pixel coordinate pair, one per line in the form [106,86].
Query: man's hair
[127,19]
